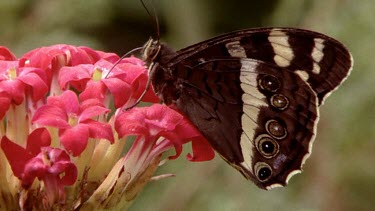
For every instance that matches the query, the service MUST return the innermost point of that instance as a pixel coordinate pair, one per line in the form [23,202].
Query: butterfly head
[151,50]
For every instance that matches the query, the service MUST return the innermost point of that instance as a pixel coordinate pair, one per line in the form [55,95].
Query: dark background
[340,174]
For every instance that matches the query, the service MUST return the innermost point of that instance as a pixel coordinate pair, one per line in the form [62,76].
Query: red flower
[50,59]
[111,57]
[38,160]
[5,101]
[18,81]
[5,54]
[74,121]
[47,57]
[137,76]
[157,121]
[95,80]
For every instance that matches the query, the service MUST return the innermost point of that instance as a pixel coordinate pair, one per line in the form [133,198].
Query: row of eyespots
[266,144]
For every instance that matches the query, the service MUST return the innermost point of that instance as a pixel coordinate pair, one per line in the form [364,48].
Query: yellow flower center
[97,75]
[73,120]
[46,159]
[12,73]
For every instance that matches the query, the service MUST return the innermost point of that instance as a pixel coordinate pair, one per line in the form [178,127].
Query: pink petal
[46,57]
[6,54]
[139,86]
[62,164]
[34,168]
[51,116]
[202,150]
[109,70]
[120,90]
[40,137]
[94,90]
[50,171]
[131,122]
[67,101]
[38,85]
[71,102]
[133,60]
[42,57]
[75,139]
[165,117]
[137,76]
[100,130]
[15,89]
[4,103]
[16,155]
[111,57]
[84,55]
[77,76]
[67,169]
[91,108]
[151,120]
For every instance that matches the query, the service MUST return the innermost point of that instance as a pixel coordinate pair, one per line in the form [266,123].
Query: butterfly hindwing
[254,94]
[238,125]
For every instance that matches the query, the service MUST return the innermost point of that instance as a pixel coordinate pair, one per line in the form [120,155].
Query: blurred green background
[340,175]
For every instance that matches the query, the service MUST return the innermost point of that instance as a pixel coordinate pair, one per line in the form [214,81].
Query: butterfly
[254,94]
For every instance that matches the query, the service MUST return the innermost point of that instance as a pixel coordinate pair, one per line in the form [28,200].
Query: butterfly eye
[279,101]
[275,129]
[263,171]
[151,50]
[267,146]
[269,83]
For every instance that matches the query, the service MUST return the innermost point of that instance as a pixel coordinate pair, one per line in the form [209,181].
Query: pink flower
[5,102]
[94,80]
[74,120]
[47,57]
[50,59]
[157,129]
[17,82]
[38,160]
[151,123]
[5,54]
[137,76]
[111,57]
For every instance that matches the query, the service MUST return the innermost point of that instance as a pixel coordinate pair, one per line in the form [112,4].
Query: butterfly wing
[240,115]
[254,94]
[321,61]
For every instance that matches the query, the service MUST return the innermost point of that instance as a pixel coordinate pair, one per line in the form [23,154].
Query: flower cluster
[64,128]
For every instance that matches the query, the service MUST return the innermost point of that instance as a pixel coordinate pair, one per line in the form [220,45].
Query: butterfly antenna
[156,21]
[122,57]
[154,17]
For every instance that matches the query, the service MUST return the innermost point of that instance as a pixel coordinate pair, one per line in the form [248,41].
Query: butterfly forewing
[254,94]
[320,60]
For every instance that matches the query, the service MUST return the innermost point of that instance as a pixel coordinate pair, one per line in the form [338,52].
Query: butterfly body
[254,94]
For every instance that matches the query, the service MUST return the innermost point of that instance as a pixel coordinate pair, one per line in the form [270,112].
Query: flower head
[94,80]
[159,121]
[72,99]
[50,165]
[18,82]
[74,121]
[136,76]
